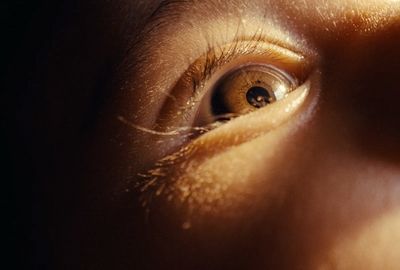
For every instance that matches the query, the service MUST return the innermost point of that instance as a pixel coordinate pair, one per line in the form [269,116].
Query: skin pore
[311,181]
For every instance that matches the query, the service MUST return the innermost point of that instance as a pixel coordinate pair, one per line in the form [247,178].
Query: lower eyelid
[254,124]
[242,128]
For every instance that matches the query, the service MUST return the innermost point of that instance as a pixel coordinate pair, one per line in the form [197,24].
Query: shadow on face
[124,179]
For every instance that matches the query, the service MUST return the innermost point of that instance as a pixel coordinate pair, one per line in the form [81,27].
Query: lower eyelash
[187,131]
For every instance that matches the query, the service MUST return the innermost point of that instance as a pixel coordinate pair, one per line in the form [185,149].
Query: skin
[319,190]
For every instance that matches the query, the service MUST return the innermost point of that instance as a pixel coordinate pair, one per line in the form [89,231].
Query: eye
[230,81]
[243,90]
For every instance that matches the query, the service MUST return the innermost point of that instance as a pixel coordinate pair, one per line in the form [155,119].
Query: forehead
[311,7]
[325,14]
[311,19]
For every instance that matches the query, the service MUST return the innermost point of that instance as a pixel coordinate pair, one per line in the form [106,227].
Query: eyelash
[215,58]
[213,61]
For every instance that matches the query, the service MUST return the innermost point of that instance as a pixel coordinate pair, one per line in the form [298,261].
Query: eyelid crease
[217,56]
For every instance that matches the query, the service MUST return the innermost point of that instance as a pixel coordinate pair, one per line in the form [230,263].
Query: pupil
[258,97]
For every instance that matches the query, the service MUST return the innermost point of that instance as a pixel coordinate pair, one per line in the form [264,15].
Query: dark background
[27,28]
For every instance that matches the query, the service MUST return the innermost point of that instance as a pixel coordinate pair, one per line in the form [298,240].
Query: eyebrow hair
[167,4]
[168,11]
[163,14]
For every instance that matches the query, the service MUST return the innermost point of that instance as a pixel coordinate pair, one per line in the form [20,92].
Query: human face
[311,181]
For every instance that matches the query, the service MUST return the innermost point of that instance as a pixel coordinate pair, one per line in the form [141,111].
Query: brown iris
[250,88]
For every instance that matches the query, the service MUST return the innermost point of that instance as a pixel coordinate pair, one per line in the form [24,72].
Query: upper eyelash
[216,57]
[213,61]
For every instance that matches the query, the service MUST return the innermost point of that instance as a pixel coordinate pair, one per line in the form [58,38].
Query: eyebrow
[169,11]
[169,14]
[168,4]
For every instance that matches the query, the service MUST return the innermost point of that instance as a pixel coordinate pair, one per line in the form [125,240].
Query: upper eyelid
[200,72]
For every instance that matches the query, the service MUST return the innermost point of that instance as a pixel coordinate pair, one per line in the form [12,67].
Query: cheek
[374,246]
[302,194]
[342,192]
[231,184]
